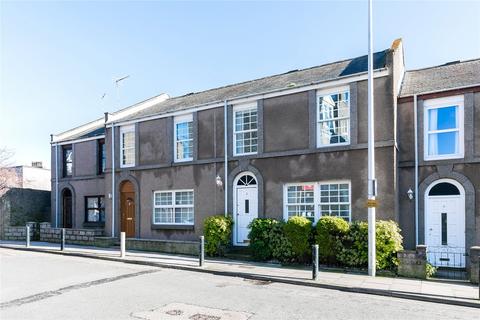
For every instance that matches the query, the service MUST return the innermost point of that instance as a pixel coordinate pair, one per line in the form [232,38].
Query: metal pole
[201,258]
[415,126]
[27,237]
[225,152]
[113,179]
[56,186]
[371,151]
[122,244]
[62,240]
[315,262]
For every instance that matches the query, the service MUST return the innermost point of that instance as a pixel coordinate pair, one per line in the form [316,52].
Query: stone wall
[168,246]
[72,236]
[413,263]
[474,264]
[18,233]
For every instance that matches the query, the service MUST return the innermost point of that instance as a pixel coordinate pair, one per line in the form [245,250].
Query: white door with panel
[246,208]
[445,230]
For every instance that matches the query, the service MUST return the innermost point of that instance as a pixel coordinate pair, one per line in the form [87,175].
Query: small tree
[8,175]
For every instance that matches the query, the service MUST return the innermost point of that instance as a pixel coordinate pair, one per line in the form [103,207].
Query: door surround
[235,188]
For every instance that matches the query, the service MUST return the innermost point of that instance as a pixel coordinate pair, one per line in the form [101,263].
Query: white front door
[246,210]
[445,231]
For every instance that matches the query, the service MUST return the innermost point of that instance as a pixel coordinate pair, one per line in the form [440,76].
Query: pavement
[453,293]
[38,285]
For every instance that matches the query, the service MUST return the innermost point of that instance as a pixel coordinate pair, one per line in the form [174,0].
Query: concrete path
[456,293]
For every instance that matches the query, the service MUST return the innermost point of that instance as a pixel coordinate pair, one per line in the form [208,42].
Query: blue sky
[58,58]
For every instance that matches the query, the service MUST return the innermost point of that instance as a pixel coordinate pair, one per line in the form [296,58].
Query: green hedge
[329,234]
[218,233]
[339,242]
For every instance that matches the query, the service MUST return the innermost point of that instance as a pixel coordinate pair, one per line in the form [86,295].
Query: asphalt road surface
[45,286]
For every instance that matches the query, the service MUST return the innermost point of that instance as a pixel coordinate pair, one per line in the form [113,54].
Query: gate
[449,262]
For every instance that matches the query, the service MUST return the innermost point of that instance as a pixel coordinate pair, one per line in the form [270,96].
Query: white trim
[79,140]
[126,129]
[181,119]
[323,93]
[173,206]
[238,108]
[457,101]
[234,192]
[252,98]
[316,197]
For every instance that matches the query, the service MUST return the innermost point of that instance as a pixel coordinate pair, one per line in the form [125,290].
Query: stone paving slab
[459,293]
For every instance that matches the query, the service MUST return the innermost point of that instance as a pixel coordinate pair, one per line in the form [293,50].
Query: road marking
[54,293]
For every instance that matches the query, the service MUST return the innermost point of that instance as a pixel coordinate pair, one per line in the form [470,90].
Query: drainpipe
[56,182]
[415,125]
[113,180]
[225,152]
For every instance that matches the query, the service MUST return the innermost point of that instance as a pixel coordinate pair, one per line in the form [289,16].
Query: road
[45,286]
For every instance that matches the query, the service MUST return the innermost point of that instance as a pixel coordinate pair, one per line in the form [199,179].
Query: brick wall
[72,236]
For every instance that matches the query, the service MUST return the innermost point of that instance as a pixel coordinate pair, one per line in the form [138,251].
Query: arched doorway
[67,208]
[245,206]
[127,209]
[445,223]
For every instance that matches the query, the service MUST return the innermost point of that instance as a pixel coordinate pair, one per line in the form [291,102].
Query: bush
[329,234]
[260,234]
[298,231]
[388,243]
[355,245]
[430,270]
[280,246]
[218,231]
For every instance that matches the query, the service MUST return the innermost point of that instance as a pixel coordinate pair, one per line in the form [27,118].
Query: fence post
[27,236]
[201,258]
[315,262]
[122,244]
[62,240]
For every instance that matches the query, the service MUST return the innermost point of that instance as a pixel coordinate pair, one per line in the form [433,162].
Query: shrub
[260,234]
[298,231]
[218,231]
[329,234]
[430,270]
[355,245]
[388,243]
[280,246]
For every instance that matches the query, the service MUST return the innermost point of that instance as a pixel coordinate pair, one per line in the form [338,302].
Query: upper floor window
[95,209]
[173,207]
[333,117]
[443,123]
[102,156]
[127,146]
[67,161]
[317,199]
[183,136]
[245,130]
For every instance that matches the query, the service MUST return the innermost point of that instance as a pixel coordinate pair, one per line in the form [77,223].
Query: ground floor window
[173,207]
[316,199]
[95,209]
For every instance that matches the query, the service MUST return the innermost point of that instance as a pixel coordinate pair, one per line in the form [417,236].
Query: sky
[57,59]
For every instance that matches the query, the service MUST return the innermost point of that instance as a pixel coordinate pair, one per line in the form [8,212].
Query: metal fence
[450,263]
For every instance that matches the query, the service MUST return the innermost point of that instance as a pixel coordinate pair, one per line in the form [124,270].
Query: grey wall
[210,133]
[155,141]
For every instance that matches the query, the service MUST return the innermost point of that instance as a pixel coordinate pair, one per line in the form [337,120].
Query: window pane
[163,198]
[184,198]
[333,118]
[442,118]
[93,215]
[246,124]
[443,143]
[92,202]
[163,215]
[331,132]
[335,200]
[184,215]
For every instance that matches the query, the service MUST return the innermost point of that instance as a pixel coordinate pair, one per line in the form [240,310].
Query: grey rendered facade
[287,151]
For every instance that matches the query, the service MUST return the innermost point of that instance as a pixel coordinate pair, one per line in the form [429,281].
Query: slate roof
[296,78]
[443,77]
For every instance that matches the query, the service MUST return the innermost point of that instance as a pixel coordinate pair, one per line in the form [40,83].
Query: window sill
[172,227]
[94,224]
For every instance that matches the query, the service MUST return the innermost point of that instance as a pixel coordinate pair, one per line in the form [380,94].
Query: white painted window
[316,199]
[183,135]
[127,146]
[333,117]
[245,130]
[443,128]
[173,207]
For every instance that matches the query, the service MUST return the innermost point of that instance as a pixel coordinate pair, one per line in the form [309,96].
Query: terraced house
[284,145]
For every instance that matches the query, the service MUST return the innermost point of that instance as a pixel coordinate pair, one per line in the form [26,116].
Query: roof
[295,78]
[441,78]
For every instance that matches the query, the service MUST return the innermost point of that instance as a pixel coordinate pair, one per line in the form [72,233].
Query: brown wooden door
[127,208]
[67,209]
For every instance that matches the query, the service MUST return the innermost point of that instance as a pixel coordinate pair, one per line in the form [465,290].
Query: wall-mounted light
[218,181]
[410,194]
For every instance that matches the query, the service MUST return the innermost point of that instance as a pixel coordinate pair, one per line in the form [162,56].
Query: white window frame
[438,104]
[236,109]
[123,130]
[177,120]
[173,206]
[316,197]
[325,92]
